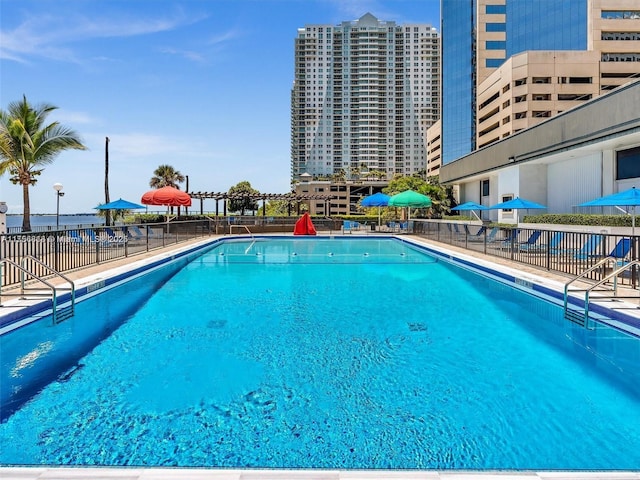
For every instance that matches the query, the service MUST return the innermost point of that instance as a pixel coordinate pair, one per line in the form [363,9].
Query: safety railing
[51,291]
[608,283]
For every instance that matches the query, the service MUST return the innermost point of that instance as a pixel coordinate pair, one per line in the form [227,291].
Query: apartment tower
[364,94]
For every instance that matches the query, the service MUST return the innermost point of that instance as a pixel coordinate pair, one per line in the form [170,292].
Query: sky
[201,85]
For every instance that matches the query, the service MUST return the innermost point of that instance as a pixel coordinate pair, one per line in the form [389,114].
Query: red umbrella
[169,196]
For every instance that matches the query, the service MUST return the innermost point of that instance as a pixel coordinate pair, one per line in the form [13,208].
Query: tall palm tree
[166,175]
[27,144]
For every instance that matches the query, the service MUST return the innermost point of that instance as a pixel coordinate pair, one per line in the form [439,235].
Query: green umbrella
[410,199]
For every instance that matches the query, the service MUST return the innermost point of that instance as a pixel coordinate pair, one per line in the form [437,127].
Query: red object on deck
[304,226]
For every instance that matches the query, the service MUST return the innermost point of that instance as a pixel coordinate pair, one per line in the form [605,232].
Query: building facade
[532,87]
[364,94]
[583,153]
[478,36]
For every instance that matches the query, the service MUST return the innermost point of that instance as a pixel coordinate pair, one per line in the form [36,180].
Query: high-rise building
[365,93]
[478,36]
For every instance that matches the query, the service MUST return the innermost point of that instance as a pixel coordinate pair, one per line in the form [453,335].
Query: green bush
[581,219]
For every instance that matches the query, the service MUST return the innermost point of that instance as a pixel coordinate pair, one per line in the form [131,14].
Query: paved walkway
[88,275]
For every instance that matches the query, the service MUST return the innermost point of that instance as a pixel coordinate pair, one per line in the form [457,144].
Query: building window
[496,9]
[496,27]
[541,80]
[484,186]
[620,36]
[628,163]
[580,80]
[620,14]
[574,96]
[507,198]
[496,45]
[493,62]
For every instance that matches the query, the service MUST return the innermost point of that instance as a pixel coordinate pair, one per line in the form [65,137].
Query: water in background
[45,222]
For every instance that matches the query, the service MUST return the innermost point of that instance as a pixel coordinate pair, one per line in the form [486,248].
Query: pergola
[291,198]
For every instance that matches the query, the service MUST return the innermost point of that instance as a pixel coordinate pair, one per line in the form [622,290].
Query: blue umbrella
[626,198]
[471,206]
[517,204]
[376,200]
[119,204]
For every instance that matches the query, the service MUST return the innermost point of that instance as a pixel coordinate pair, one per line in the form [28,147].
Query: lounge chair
[139,235]
[621,251]
[590,248]
[511,240]
[76,237]
[531,242]
[478,234]
[349,226]
[93,238]
[552,246]
[132,233]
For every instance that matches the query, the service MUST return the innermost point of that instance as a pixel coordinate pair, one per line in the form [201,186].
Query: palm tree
[166,176]
[27,145]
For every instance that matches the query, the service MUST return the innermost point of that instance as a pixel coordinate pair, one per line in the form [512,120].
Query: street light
[59,193]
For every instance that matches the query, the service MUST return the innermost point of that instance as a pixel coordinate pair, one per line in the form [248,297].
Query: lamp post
[59,193]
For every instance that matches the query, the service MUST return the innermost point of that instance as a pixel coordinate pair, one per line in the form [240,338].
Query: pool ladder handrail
[24,271]
[239,226]
[584,319]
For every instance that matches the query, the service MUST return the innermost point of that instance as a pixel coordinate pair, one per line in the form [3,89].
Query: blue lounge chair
[621,251]
[133,232]
[590,248]
[510,240]
[76,237]
[476,235]
[552,246]
[95,239]
[532,242]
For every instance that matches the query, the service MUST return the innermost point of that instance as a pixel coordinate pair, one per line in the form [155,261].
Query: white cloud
[46,35]
[72,118]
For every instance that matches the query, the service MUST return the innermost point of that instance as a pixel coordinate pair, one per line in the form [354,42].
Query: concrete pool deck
[43,473]
[89,275]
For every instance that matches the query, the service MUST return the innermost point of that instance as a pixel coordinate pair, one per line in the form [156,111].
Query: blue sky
[201,85]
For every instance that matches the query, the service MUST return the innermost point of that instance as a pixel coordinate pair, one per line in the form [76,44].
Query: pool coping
[111,277]
[136,473]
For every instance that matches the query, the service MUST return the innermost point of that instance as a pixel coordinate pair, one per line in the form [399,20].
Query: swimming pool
[320,353]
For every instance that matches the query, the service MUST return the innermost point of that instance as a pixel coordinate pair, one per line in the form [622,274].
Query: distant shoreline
[52,214]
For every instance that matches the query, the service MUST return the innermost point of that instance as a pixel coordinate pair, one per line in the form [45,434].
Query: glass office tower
[522,25]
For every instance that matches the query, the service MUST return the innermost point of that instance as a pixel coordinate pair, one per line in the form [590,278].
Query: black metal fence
[74,248]
[563,252]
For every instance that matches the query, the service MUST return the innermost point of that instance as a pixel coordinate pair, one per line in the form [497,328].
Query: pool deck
[42,473]
[90,274]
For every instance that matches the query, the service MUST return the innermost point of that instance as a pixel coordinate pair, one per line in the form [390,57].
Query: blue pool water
[320,354]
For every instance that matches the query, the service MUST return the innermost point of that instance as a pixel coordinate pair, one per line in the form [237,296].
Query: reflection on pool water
[259,354]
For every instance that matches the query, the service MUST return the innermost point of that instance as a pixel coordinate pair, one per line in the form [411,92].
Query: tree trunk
[107,217]
[26,211]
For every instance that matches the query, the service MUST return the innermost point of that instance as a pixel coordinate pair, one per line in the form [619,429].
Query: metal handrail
[54,290]
[239,226]
[613,275]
